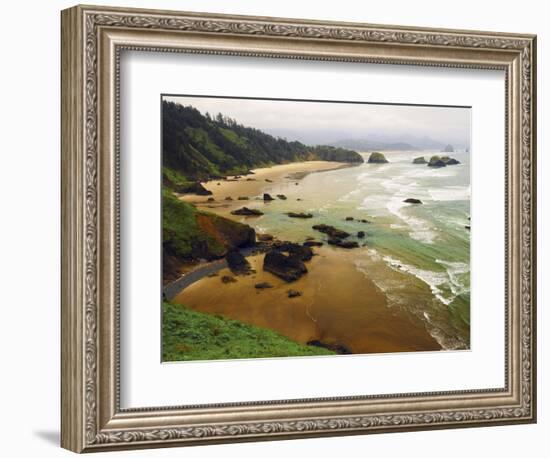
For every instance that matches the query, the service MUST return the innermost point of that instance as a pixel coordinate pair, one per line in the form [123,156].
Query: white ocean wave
[347,197]
[450,193]
[454,270]
[433,279]
[422,172]
[421,230]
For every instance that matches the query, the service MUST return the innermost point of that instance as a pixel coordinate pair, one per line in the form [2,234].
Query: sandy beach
[263,180]
[338,303]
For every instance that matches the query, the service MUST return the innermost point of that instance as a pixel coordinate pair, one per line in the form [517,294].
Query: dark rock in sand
[229,198]
[245,211]
[361,234]
[264,237]
[267,197]
[211,199]
[335,347]
[194,188]
[304,253]
[263,285]
[300,215]
[349,218]
[288,267]
[228,279]
[218,184]
[377,158]
[242,198]
[311,243]
[237,263]
[467,227]
[331,231]
[410,200]
[281,196]
[251,179]
[293,293]
[298,199]
[268,180]
[365,221]
[420,160]
[343,243]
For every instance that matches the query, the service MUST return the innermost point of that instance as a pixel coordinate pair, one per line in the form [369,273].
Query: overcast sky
[322,122]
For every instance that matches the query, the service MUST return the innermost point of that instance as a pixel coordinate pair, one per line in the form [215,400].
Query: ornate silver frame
[92,39]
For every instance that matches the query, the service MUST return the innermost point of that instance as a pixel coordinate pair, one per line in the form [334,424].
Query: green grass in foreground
[188,335]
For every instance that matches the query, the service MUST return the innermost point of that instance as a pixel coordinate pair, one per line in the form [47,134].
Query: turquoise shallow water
[419,255]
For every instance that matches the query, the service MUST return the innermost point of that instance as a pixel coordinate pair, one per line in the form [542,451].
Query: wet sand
[255,184]
[338,305]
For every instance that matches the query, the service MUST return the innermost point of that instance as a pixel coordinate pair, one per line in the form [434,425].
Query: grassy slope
[180,230]
[189,335]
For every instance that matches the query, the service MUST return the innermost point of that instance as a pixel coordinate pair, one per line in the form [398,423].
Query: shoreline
[326,310]
[263,180]
[370,325]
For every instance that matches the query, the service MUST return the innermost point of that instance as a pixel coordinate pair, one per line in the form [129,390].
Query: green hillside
[200,147]
[188,335]
[189,234]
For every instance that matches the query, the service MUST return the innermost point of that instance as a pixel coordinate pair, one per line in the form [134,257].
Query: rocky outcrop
[286,260]
[448,149]
[377,158]
[245,211]
[264,237]
[349,218]
[263,285]
[286,266]
[293,293]
[237,263]
[331,231]
[411,200]
[335,347]
[343,243]
[268,197]
[361,234]
[420,160]
[450,161]
[311,243]
[442,161]
[299,215]
[303,252]
[436,161]
[192,187]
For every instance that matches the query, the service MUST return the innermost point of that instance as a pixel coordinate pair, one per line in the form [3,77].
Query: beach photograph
[297,228]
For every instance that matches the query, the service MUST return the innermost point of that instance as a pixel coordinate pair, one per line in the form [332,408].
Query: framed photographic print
[278,228]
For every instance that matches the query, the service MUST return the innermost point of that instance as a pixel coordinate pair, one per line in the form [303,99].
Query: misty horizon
[423,127]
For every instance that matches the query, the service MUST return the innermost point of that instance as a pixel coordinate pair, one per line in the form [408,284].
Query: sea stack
[377,158]
[442,161]
[449,149]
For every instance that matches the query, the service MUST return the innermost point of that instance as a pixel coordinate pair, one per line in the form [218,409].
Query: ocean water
[418,255]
